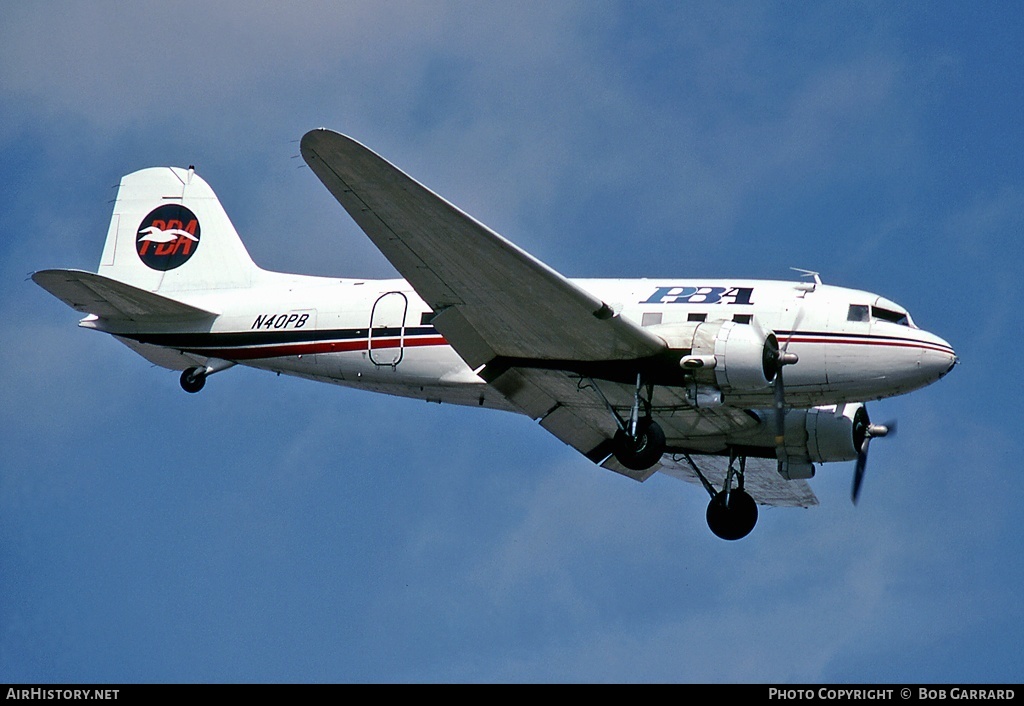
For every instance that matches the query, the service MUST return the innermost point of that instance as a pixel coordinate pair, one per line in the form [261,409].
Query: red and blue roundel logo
[167,237]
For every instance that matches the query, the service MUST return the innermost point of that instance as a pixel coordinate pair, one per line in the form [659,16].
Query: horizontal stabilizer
[109,299]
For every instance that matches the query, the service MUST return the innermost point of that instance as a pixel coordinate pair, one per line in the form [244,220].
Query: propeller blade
[779,389]
[777,358]
[792,329]
[870,432]
[858,474]
[780,408]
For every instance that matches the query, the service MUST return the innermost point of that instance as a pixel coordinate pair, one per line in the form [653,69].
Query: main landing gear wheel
[193,379]
[643,450]
[732,514]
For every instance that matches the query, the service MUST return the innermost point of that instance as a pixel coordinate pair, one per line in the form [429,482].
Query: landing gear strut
[732,513]
[640,441]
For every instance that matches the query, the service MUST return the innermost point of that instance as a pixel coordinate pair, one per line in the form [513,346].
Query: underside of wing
[492,300]
[109,299]
[761,478]
[581,412]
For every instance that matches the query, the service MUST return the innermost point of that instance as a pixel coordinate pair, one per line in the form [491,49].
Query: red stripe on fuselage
[903,343]
[315,347]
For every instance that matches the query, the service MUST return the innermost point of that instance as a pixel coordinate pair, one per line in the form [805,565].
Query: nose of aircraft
[937,357]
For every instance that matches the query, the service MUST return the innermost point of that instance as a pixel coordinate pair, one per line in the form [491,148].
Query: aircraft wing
[492,299]
[531,333]
[570,408]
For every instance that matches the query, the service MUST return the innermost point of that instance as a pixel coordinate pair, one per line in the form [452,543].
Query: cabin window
[896,317]
[426,317]
[858,312]
[651,318]
[697,317]
[743,318]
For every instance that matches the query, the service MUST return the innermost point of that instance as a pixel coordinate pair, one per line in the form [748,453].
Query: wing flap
[508,302]
[110,299]
[473,348]
[522,391]
[612,464]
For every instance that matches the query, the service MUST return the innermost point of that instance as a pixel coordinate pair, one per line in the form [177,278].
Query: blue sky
[274,529]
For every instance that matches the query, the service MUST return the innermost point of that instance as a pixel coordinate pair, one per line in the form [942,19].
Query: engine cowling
[834,433]
[820,435]
[744,358]
[736,358]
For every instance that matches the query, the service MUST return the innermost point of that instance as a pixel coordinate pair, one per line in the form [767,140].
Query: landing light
[697,362]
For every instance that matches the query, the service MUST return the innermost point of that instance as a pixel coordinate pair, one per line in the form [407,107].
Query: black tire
[645,450]
[735,520]
[193,380]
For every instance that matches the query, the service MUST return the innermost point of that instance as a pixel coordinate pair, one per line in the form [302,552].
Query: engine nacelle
[834,433]
[744,357]
[734,357]
[820,435]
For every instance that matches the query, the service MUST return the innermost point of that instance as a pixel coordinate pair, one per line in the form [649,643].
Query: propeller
[780,358]
[864,431]
[775,359]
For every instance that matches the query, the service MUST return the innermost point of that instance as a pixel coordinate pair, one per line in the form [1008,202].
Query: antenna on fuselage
[809,273]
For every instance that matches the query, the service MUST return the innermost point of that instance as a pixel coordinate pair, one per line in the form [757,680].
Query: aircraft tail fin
[169,233]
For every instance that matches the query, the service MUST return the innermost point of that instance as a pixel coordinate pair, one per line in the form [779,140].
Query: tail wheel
[732,515]
[640,452]
[193,380]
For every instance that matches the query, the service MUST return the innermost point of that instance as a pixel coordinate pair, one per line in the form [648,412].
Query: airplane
[741,386]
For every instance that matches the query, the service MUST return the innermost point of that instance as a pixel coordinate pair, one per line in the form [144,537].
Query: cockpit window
[858,312]
[896,317]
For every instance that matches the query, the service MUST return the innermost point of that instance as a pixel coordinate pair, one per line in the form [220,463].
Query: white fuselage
[377,335]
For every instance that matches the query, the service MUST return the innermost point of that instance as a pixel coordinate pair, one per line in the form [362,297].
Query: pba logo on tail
[167,237]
